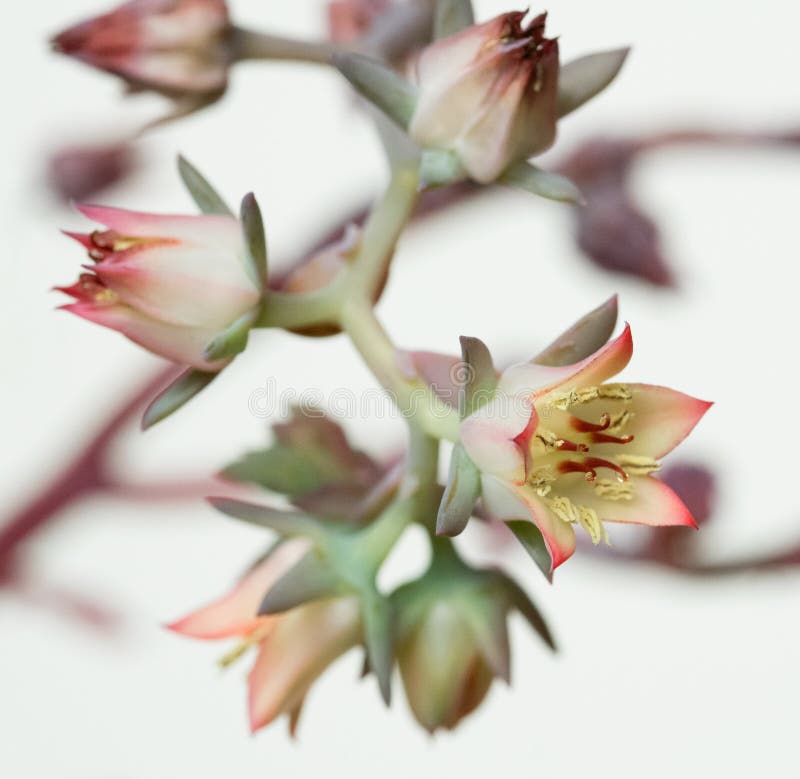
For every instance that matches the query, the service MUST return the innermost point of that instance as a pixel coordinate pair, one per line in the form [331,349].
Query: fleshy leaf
[310,579]
[377,616]
[522,602]
[208,200]
[479,379]
[285,523]
[552,186]
[379,84]
[583,339]
[181,391]
[310,453]
[232,340]
[452,16]
[255,238]
[532,541]
[583,78]
[462,490]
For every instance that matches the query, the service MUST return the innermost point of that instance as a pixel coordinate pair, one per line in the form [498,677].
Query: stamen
[552,441]
[541,480]
[619,421]
[610,489]
[586,517]
[615,392]
[589,465]
[638,465]
[582,426]
[603,438]
[574,398]
[562,507]
[241,648]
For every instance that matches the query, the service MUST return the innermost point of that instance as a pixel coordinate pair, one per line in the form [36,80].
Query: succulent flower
[489,94]
[293,648]
[175,47]
[562,447]
[79,172]
[172,284]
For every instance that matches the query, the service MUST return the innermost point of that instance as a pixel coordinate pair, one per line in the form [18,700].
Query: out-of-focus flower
[293,648]
[172,284]
[79,172]
[452,636]
[348,20]
[489,94]
[695,485]
[560,446]
[176,47]
[610,227]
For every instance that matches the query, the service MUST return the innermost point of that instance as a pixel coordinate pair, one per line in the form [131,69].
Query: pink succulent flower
[293,648]
[560,446]
[489,94]
[348,20]
[176,47]
[169,283]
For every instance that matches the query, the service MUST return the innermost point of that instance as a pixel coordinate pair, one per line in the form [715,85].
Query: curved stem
[252,45]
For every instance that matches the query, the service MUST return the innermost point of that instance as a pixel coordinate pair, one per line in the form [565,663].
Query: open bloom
[169,283]
[489,94]
[561,447]
[293,648]
[176,47]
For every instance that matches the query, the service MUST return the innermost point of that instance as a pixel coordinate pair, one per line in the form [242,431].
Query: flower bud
[176,47]
[172,284]
[348,20]
[79,172]
[489,94]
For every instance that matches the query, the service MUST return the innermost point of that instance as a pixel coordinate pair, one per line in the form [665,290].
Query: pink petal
[222,232]
[181,284]
[661,419]
[653,502]
[183,345]
[303,643]
[535,380]
[234,614]
[440,372]
[509,502]
[491,436]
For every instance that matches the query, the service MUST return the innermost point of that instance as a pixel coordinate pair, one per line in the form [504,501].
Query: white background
[658,675]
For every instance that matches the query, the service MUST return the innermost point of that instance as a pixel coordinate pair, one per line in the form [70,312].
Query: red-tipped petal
[511,502]
[235,613]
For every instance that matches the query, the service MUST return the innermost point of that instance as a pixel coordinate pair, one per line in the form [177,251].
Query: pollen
[618,421]
[610,489]
[541,480]
[638,465]
[615,392]
[575,397]
[584,516]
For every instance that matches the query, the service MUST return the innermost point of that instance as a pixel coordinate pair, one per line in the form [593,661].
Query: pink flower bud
[78,172]
[348,20]
[489,94]
[176,47]
[169,283]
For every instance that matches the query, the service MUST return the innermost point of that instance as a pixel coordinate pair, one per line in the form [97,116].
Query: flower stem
[252,45]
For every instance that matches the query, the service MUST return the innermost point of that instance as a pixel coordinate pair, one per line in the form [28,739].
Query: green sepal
[233,339]
[532,541]
[460,494]
[452,16]
[584,338]
[480,380]
[181,391]
[311,578]
[376,612]
[522,602]
[487,620]
[583,78]
[285,523]
[439,167]
[255,238]
[379,84]
[208,200]
[552,186]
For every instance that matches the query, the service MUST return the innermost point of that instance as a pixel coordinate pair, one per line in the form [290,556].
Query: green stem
[412,396]
[252,45]
[302,309]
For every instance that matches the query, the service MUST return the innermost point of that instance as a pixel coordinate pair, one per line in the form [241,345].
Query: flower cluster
[547,446]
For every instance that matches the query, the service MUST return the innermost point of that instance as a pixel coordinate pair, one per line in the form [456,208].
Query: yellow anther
[105,296]
[615,392]
[541,480]
[638,465]
[618,421]
[591,523]
[574,397]
[549,438]
[584,516]
[610,489]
